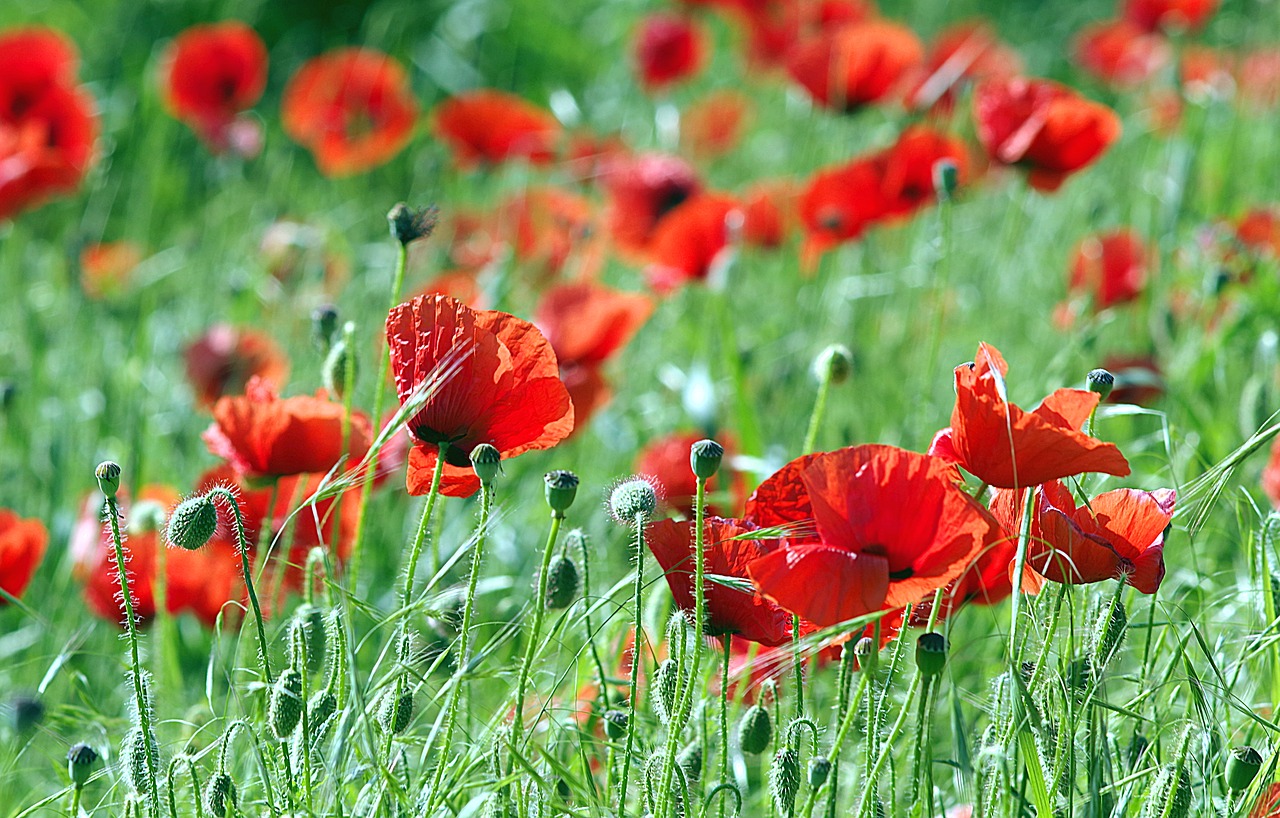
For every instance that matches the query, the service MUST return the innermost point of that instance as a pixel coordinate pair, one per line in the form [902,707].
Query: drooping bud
[108,474]
[1243,765]
[309,624]
[834,363]
[562,583]
[133,758]
[755,731]
[408,225]
[284,708]
[1108,631]
[562,488]
[784,781]
[704,458]
[615,724]
[324,325]
[819,769]
[193,523]
[690,760]
[1100,381]
[487,461]
[81,759]
[867,654]
[666,684]
[633,499]
[1170,795]
[395,711]
[219,794]
[946,178]
[334,371]
[931,654]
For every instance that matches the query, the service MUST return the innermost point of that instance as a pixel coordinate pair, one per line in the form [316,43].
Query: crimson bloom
[966,51]
[1007,447]
[1111,267]
[693,242]
[263,436]
[1042,126]
[1268,805]
[495,379]
[1169,15]
[211,74]
[869,553]
[544,225]
[713,125]
[224,360]
[908,167]
[669,48]
[642,190]
[489,126]
[22,546]
[1120,52]
[855,65]
[352,108]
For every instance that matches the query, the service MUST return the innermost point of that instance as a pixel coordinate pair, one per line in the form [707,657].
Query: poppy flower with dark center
[642,190]
[224,360]
[769,212]
[1120,52]
[892,526]
[965,51]
[1042,126]
[728,550]
[694,241]
[22,547]
[1007,447]
[211,74]
[490,127]
[669,48]
[855,65]
[712,125]
[490,378]
[352,108]
[34,60]
[264,437]
[840,203]
[1169,15]
[1111,268]
[909,167]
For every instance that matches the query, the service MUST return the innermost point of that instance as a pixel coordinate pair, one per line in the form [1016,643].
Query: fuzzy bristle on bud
[487,462]
[633,500]
[819,769]
[666,683]
[690,760]
[562,583]
[1170,795]
[835,363]
[784,781]
[219,794]
[395,711]
[322,707]
[562,489]
[108,474]
[134,759]
[284,709]
[309,625]
[81,759]
[705,457]
[931,654]
[193,523]
[755,731]
[334,372]
[1243,765]
[1101,382]
[1108,631]
[410,224]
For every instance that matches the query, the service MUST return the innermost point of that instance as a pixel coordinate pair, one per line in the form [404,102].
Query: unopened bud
[284,708]
[408,225]
[309,624]
[108,474]
[219,794]
[690,760]
[81,759]
[666,684]
[633,499]
[1108,631]
[755,731]
[704,458]
[138,747]
[334,371]
[784,780]
[193,523]
[946,178]
[395,711]
[1170,795]
[615,724]
[562,489]
[834,363]
[562,583]
[324,324]
[487,461]
[931,654]
[819,769]
[867,654]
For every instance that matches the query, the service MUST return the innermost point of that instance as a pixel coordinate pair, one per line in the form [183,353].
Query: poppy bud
[322,707]
[562,583]
[219,793]
[1243,765]
[408,225]
[1108,631]
[819,769]
[1100,381]
[487,461]
[784,780]
[284,709]
[309,623]
[834,363]
[108,474]
[26,712]
[704,458]
[667,685]
[8,391]
[562,488]
[931,654]
[133,756]
[946,177]
[690,760]
[395,711]
[81,759]
[334,371]
[1080,675]
[631,499]
[193,523]
[867,653]
[755,731]
[324,324]
[1170,795]
[615,724]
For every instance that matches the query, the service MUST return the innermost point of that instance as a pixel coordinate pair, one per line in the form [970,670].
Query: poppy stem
[1019,566]
[819,409]
[633,691]
[846,710]
[415,552]
[724,715]
[535,629]
[601,676]
[226,495]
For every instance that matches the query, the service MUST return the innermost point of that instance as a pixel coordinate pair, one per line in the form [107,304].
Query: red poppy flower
[909,165]
[22,546]
[211,74]
[666,460]
[855,65]
[840,203]
[586,324]
[642,190]
[870,554]
[545,225]
[693,242]
[224,360]
[1169,15]
[1111,267]
[504,389]
[769,212]
[966,51]
[458,284]
[352,108]
[263,436]
[1043,126]
[1120,52]
[669,48]
[729,550]
[488,126]
[1271,475]
[1259,230]
[713,125]
[1268,805]
[105,268]
[775,26]
[35,60]
[1007,447]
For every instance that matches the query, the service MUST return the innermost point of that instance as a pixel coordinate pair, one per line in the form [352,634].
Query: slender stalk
[819,410]
[535,629]
[724,715]
[1020,565]
[415,552]
[228,497]
[633,692]
[601,676]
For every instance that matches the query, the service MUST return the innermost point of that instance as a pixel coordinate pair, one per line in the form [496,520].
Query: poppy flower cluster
[47,123]
[213,73]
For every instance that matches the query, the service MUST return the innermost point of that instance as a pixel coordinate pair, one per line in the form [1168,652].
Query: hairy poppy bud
[755,731]
[487,461]
[219,794]
[632,499]
[704,458]
[408,225]
[334,371]
[108,474]
[834,363]
[690,760]
[784,780]
[946,177]
[562,583]
[1170,795]
[1243,765]
[309,624]
[324,324]
[819,769]
[1100,381]
[867,653]
[81,759]
[615,724]
[395,711]
[1108,631]
[193,523]
[322,707]
[931,654]
[284,708]
[666,683]
[133,758]
[562,488]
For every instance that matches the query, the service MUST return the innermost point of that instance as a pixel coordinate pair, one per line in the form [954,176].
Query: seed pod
[193,523]
[784,780]
[867,653]
[1101,382]
[81,759]
[755,731]
[487,462]
[1108,632]
[284,709]
[666,684]
[395,711]
[562,583]
[1243,765]
[690,760]
[615,724]
[1172,788]
[309,622]
[819,769]
[108,474]
[133,758]
[704,458]
[219,794]
[561,490]
[931,654]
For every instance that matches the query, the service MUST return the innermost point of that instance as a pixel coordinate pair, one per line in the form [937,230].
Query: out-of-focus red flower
[1111,268]
[489,127]
[908,168]
[1138,379]
[212,73]
[642,190]
[775,26]
[669,48]
[105,268]
[1206,72]
[352,108]
[1120,53]
[712,126]
[869,555]
[496,381]
[966,51]
[1007,447]
[47,123]
[586,324]
[263,436]
[1258,78]
[728,550]
[769,212]
[545,225]
[224,360]
[693,241]
[457,284]
[666,459]
[1169,15]
[1258,229]
[1268,805]
[1042,126]
[22,546]
[1271,475]
[855,65]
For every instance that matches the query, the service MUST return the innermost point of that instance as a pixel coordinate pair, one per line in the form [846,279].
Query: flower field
[797,408]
